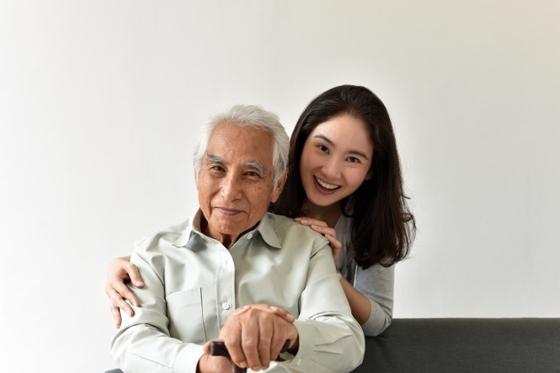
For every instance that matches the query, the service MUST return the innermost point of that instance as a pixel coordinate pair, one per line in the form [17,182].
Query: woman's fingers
[329,233]
[336,246]
[323,230]
[310,221]
[116,316]
[125,293]
[133,274]
[118,301]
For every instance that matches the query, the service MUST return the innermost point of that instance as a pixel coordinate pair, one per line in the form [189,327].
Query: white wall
[100,102]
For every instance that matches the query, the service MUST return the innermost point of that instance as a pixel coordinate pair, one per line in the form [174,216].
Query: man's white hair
[250,116]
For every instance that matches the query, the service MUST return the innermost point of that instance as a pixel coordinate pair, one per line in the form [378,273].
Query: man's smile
[228,211]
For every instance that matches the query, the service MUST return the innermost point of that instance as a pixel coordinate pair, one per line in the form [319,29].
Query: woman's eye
[323,148]
[353,160]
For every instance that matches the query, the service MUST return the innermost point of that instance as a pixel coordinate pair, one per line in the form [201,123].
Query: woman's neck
[329,214]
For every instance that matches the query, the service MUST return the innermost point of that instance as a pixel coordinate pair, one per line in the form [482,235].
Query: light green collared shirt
[193,283]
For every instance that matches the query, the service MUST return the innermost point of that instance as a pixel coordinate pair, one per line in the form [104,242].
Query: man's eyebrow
[256,165]
[214,159]
[354,152]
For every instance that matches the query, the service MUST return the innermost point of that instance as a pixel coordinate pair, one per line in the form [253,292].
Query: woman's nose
[332,168]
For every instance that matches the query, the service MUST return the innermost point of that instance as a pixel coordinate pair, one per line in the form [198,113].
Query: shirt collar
[267,231]
[265,228]
[193,227]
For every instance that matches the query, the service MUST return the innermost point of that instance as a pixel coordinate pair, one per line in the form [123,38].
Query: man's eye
[252,174]
[216,168]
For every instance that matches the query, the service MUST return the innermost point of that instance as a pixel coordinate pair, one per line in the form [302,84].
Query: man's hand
[254,335]
[213,364]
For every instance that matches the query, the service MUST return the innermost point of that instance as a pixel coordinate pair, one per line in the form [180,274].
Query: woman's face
[335,160]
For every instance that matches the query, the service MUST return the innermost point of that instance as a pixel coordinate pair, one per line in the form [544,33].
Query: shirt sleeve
[377,284]
[143,343]
[330,340]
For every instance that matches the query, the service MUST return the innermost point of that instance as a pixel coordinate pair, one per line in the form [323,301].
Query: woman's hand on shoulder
[121,271]
[320,226]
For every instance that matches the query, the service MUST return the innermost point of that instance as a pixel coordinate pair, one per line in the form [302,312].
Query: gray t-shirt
[376,282]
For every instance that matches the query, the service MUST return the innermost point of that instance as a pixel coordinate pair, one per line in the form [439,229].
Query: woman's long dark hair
[382,225]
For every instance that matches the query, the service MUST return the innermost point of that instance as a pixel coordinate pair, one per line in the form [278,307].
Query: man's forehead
[232,131]
[229,143]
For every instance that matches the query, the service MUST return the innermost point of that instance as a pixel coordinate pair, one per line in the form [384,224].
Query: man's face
[236,181]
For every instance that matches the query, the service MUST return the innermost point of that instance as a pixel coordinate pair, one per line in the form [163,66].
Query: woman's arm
[371,294]
[359,303]
[377,284]
[120,272]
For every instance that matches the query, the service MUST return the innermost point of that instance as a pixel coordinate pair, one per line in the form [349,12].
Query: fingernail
[242,364]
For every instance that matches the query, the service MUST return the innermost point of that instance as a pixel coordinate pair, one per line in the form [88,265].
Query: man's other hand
[213,364]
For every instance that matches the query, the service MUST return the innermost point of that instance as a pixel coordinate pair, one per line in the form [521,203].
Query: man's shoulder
[290,233]
[166,239]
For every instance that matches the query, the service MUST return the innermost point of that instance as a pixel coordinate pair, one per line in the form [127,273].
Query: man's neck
[226,239]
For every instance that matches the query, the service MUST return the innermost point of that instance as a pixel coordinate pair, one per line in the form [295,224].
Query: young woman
[344,181]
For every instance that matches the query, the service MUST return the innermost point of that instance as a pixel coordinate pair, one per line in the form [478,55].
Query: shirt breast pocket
[186,322]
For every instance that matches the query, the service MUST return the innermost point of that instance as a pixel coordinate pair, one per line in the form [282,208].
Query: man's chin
[226,228]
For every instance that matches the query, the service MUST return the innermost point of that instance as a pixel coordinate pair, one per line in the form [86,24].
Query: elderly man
[231,271]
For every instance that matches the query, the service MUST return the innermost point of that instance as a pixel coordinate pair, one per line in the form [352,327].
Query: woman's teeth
[326,185]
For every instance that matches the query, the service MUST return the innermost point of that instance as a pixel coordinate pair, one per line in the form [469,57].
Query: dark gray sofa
[464,345]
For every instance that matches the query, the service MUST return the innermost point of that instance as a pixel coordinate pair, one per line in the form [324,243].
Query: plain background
[101,101]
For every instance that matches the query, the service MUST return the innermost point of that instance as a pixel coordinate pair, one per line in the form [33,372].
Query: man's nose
[231,188]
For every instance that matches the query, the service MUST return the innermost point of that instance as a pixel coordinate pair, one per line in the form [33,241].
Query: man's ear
[279,187]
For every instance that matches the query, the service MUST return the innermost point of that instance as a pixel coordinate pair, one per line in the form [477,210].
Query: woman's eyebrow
[323,137]
[359,154]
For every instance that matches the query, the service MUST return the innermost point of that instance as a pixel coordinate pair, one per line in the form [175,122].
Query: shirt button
[249,236]
[226,306]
